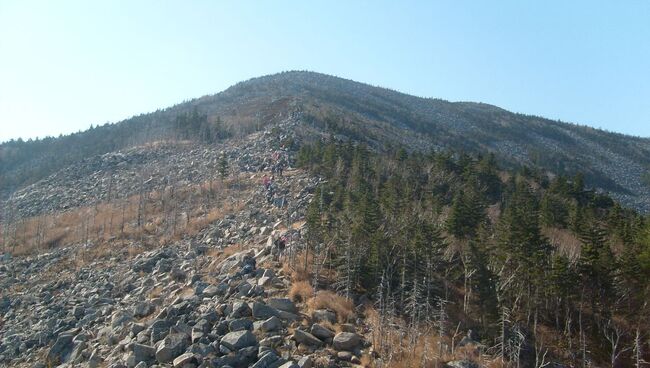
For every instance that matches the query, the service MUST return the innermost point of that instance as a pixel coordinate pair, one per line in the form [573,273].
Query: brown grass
[400,345]
[168,216]
[298,272]
[326,299]
[301,291]
[564,241]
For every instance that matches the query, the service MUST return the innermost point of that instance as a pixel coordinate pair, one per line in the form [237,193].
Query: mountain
[303,220]
[381,117]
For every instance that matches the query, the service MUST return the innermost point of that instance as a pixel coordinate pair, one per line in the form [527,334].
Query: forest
[538,267]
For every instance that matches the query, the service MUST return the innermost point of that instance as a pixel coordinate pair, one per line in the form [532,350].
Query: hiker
[249,265]
[278,247]
[267,182]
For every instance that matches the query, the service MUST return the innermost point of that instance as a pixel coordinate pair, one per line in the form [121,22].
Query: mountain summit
[611,162]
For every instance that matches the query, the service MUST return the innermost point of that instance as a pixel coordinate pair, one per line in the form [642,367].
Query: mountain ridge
[611,162]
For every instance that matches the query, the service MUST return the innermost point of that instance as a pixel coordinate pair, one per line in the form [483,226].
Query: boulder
[239,340]
[240,324]
[283,304]
[305,362]
[321,332]
[306,338]
[61,348]
[347,341]
[263,311]
[185,360]
[172,346]
[143,353]
[240,309]
[270,324]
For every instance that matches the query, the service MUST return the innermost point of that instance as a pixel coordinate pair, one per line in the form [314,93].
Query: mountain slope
[381,117]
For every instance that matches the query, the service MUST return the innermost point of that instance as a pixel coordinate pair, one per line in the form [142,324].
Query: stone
[289,365]
[60,349]
[78,312]
[239,340]
[171,347]
[240,324]
[305,362]
[263,311]
[185,360]
[306,338]
[347,341]
[210,291]
[461,364]
[119,318]
[240,309]
[283,304]
[348,327]
[321,332]
[270,324]
[323,315]
[143,309]
[143,353]
[159,329]
[344,355]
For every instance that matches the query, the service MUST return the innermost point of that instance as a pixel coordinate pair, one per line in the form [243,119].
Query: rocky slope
[378,116]
[197,302]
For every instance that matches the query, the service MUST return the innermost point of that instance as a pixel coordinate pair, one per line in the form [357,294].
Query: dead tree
[614,334]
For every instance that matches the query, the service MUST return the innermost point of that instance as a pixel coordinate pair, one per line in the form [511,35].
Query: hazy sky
[67,64]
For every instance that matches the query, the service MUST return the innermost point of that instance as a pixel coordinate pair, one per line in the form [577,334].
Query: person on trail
[267,182]
[278,247]
[249,265]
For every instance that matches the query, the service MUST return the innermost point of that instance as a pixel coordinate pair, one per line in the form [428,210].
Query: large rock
[321,332]
[61,348]
[346,341]
[282,304]
[263,311]
[185,360]
[239,340]
[143,309]
[306,338]
[143,353]
[270,324]
[240,309]
[171,347]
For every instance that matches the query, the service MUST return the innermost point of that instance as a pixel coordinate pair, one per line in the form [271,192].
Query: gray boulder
[283,304]
[185,360]
[239,340]
[347,341]
[263,311]
[306,338]
[270,324]
[171,347]
[61,348]
[321,332]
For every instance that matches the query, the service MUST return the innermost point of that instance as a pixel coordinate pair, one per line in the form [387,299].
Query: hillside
[301,220]
[611,162]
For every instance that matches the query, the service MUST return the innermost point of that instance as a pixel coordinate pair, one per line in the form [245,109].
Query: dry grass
[168,215]
[400,345]
[326,299]
[301,291]
[298,272]
[564,241]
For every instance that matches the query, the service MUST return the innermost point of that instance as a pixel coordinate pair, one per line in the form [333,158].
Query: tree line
[424,232]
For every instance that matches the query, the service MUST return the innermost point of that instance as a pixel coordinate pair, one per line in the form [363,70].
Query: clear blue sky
[67,64]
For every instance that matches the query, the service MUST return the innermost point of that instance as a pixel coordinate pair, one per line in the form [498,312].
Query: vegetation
[456,233]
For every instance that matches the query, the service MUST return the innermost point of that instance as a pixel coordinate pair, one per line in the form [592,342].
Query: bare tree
[614,334]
